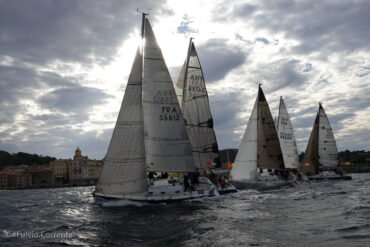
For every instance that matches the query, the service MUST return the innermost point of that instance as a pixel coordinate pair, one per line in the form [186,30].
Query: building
[3,181]
[16,177]
[60,169]
[42,176]
[84,170]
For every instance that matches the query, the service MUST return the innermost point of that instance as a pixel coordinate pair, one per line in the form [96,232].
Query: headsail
[124,165]
[245,165]
[269,152]
[197,112]
[167,144]
[286,137]
[328,152]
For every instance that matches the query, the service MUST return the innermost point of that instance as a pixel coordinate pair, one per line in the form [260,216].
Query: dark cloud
[226,107]
[76,31]
[325,25]
[73,99]
[218,58]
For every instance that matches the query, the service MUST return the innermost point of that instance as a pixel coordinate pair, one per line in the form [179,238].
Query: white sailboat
[150,136]
[286,137]
[321,157]
[193,98]
[259,162]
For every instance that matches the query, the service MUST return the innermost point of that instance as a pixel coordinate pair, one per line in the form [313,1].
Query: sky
[64,66]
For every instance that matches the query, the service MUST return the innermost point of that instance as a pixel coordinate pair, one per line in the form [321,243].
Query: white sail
[123,171]
[245,165]
[167,144]
[328,153]
[287,138]
[180,84]
[197,112]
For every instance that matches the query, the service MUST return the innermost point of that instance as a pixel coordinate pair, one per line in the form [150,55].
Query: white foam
[123,203]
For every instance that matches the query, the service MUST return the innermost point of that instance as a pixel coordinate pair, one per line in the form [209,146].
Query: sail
[328,153]
[124,165]
[245,165]
[167,144]
[310,162]
[197,112]
[180,84]
[269,153]
[286,136]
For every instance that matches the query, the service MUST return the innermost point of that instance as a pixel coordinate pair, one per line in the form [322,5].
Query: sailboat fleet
[164,147]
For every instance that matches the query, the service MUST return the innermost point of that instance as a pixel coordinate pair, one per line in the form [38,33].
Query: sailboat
[193,98]
[321,157]
[150,137]
[259,162]
[286,136]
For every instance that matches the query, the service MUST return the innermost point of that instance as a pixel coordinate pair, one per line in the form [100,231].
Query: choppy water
[335,213]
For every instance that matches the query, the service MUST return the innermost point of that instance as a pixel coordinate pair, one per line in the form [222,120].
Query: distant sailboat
[286,136]
[321,152]
[193,98]
[259,162]
[149,136]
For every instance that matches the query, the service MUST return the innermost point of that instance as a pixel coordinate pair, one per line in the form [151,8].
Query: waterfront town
[78,171]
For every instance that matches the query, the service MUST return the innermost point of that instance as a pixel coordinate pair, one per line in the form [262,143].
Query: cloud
[73,99]
[70,31]
[218,59]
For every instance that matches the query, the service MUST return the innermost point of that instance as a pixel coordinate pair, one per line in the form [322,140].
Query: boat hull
[227,189]
[167,191]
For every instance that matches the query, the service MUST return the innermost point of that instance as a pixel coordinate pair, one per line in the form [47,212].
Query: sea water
[327,213]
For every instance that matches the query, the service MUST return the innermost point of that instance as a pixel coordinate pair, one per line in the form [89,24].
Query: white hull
[164,190]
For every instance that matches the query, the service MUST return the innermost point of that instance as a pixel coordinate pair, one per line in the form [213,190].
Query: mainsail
[286,137]
[259,147]
[167,144]
[124,165]
[328,152]
[192,93]
[269,152]
[321,148]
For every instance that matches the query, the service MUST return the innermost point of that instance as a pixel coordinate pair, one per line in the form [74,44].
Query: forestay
[124,165]
[167,143]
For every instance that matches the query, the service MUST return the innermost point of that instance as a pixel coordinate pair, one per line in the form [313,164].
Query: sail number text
[164,96]
[169,114]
